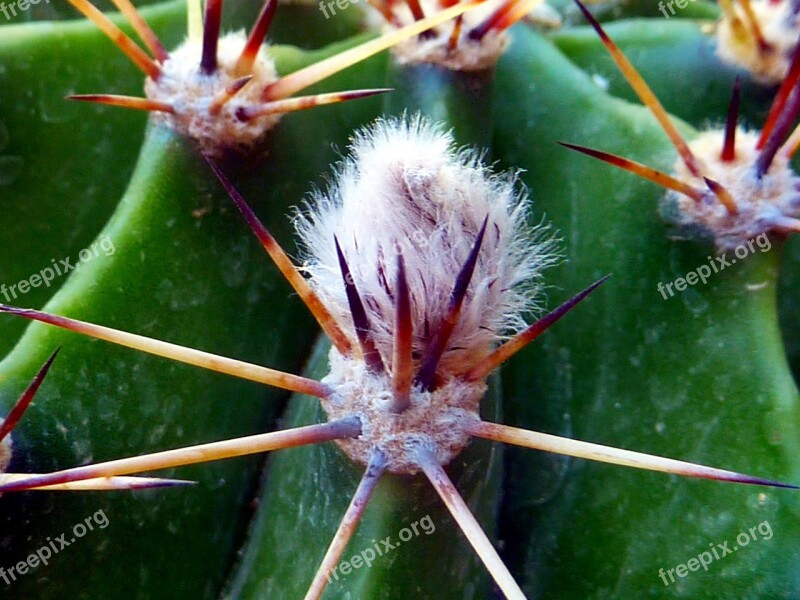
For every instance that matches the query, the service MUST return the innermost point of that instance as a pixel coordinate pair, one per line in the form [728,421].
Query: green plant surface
[50,219]
[789,303]
[55,10]
[614,10]
[678,60]
[459,100]
[700,376]
[196,281]
[699,93]
[306,491]
[306,26]
[52,200]
[683,9]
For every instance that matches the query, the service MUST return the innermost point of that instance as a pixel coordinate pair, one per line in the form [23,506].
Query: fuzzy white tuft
[407,190]
[190,92]
[763,203]
[468,55]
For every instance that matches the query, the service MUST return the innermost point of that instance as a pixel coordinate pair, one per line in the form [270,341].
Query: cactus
[419,268]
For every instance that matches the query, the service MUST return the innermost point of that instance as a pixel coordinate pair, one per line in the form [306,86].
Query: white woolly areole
[780,29]
[5,453]
[434,420]
[761,202]
[407,191]
[191,92]
[468,55]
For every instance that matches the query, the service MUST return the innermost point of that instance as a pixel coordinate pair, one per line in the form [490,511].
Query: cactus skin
[55,11]
[613,10]
[701,375]
[176,276]
[697,92]
[566,373]
[789,304]
[305,26]
[460,99]
[51,202]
